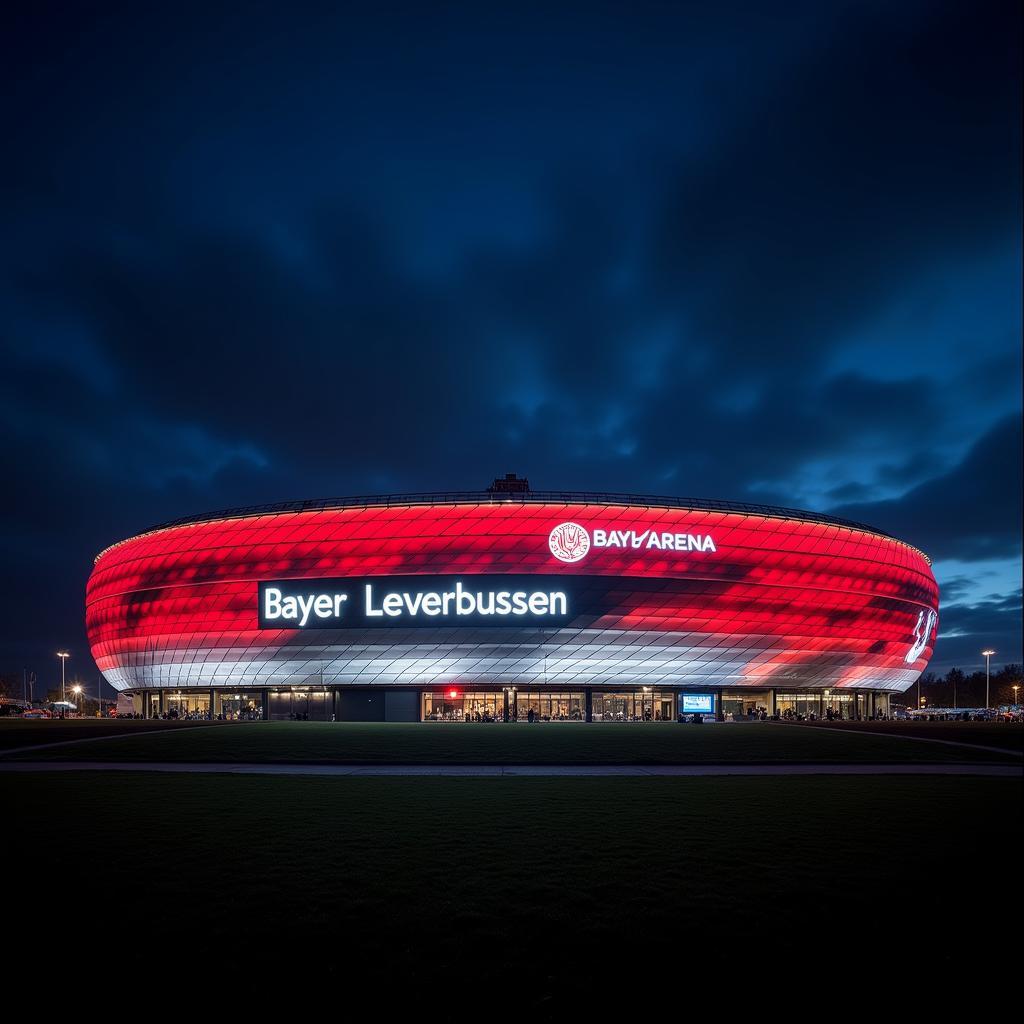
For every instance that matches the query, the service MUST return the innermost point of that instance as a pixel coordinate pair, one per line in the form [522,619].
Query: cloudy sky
[755,251]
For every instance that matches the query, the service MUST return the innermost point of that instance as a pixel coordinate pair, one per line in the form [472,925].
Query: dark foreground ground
[477,896]
[547,743]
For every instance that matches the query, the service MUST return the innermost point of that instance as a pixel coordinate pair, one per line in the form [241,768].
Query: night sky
[763,252]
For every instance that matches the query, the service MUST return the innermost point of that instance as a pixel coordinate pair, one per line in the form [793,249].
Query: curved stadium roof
[524,497]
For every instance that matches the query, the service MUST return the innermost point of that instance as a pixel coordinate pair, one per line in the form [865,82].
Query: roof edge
[490,497]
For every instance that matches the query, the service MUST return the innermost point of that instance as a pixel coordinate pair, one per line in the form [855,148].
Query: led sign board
[494,599]
[570,542]
[381,601]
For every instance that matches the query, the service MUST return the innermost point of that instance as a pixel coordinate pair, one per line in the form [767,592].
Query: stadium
[511,605]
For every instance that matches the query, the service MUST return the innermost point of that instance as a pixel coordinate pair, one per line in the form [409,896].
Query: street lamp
[988,672]
[63,655]
[1015,689]
[77,691]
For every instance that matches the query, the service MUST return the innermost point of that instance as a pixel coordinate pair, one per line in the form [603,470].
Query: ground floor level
[505,704]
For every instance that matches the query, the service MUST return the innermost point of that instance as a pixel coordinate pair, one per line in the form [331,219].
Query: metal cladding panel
[779,602]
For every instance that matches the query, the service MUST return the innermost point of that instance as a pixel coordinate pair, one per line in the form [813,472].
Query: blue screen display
[697,703]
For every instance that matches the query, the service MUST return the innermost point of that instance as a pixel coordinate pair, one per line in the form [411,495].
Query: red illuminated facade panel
[718,598]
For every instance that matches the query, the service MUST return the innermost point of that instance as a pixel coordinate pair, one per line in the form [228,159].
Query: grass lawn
[24,732]
[549,892]
[551,743]
[1006,735]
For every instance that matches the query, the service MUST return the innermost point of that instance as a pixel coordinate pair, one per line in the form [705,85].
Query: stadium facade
[511,605]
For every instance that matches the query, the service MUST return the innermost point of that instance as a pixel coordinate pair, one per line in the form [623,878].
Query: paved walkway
[515,771]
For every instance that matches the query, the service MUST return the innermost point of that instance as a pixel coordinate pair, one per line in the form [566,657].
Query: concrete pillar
[771,703]
[265,704]
[504,704]
[213,710]
[719,711]
[588,696]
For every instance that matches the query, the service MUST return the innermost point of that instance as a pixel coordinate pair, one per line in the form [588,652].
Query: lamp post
[77,691]
[63,655]
[988,672]
[1015,689]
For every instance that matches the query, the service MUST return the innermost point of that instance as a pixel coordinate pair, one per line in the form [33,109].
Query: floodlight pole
[988,675]
[63,655]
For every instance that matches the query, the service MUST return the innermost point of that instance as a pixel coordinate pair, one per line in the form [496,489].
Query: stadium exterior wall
[480,592]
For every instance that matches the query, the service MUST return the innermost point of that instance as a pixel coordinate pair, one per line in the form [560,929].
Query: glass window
[459,706]
[534,706]
[489,706]
[841,706]
[240,707]
[643,705]
[192,706]
[742,704]
[798,706]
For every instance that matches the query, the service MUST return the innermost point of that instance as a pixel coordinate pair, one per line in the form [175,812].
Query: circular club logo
[569,542]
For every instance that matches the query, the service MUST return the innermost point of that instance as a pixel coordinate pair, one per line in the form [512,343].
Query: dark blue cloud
[966,629]
[771,255]
[972,513]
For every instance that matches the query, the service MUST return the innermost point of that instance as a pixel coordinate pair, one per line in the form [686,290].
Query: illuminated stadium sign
[570,542]
[653,539]
[412,601]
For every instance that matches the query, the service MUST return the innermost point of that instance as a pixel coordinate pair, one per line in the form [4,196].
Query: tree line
[968,691]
